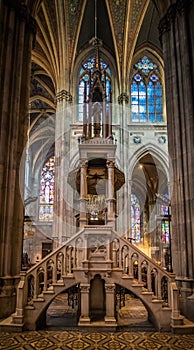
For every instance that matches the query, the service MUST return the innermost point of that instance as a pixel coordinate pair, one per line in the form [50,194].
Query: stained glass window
[135,219]
[85,81]
[165,232]
[47,183]
[146,92]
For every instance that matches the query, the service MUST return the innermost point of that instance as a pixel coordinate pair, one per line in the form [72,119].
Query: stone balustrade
[99,250]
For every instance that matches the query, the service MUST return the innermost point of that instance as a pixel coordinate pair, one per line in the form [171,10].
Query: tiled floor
[95,340]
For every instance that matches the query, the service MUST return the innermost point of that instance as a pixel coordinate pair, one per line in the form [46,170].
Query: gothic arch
[153,150]
[84,56]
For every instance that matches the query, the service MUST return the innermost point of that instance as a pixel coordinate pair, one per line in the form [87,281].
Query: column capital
[172,13]
[22,12]
[110,287]
[84,164]
[110,164]
[85,287]
[123,97]
[64,95]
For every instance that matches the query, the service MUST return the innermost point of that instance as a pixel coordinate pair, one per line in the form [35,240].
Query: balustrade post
[55,269]
[130,266]
[45,277]
[114,257]
[65,261]
[159,291]
[139,272]
[36,285]
[149,280]
[70,260]
[85,247]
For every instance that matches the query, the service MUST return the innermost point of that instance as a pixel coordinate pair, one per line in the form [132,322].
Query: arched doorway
[97,299]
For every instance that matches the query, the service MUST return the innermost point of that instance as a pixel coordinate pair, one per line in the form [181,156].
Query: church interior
[96,171]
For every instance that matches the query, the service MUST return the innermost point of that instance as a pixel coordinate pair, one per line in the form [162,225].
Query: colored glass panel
[47,183]
[146,92]
[84,78]
[135,219]
[165,232]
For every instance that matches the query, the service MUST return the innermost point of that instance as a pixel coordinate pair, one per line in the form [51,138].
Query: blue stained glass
[134,99]
[154,77]
[159,118]
[151,117]
[142,99]
[134,87]
[142,108]
[135,117]
[143,117]
[151,108]
[158,91]
[134,108]
[158,101]
[138,77]
[158,108]
[84,75]
[146,91]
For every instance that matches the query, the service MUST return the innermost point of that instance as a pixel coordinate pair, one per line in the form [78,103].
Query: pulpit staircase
[97,250]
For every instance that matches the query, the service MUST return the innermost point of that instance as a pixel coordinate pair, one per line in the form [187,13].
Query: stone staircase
[97,250]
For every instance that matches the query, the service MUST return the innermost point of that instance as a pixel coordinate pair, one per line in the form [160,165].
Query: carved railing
[124,258]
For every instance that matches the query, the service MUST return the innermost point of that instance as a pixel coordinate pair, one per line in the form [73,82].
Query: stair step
[157,301]
[29,307]
[7,325]
[48,292]
[137,285]
[38,300]
[186,328]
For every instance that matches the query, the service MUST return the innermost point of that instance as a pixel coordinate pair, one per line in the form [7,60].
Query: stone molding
[123,97]
[172,13]
[23,14]
[64,95]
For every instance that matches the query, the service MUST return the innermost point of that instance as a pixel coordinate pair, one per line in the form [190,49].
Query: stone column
[110,304]
[84,318]
[177,36]
[110,197]
[83,193]
[16,39]
[63,221]
[123,221]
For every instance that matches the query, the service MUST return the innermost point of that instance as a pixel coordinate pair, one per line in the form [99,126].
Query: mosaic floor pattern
[66,340]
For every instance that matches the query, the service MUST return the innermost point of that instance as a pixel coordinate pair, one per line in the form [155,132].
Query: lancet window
[47,183]
[146,92]
[135,219]
[85,82]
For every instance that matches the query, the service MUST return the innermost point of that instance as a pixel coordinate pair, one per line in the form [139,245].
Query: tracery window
[135,219]
[146,92]
[85,82]
[47,182]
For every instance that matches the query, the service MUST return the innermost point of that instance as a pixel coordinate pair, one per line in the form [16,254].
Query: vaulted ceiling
[64,31]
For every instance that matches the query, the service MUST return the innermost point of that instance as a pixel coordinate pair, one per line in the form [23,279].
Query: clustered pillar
[16,39]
